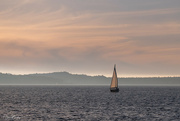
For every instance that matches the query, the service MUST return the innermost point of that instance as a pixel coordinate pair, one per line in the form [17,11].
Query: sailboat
[114,81]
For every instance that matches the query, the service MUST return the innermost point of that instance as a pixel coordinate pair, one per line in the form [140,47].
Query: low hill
[65,78]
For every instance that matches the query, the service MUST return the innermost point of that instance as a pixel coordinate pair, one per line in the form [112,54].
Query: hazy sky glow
[88,36]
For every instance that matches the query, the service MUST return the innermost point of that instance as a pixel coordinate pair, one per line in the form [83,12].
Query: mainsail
[114,81]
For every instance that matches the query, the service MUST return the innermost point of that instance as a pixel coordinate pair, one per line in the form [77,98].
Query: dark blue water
[56,103]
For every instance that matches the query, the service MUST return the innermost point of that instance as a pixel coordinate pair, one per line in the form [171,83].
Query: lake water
[88,103]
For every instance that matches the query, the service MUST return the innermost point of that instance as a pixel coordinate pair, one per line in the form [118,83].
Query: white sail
[114,81]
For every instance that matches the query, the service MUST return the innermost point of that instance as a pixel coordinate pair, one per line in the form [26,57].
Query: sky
[142,37]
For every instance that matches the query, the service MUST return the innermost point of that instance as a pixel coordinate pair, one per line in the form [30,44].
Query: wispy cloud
[46,31]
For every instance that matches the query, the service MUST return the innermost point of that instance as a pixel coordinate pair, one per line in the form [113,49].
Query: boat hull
[116,89]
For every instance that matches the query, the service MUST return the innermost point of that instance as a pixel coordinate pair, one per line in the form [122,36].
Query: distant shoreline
[65,78]
[89,75]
